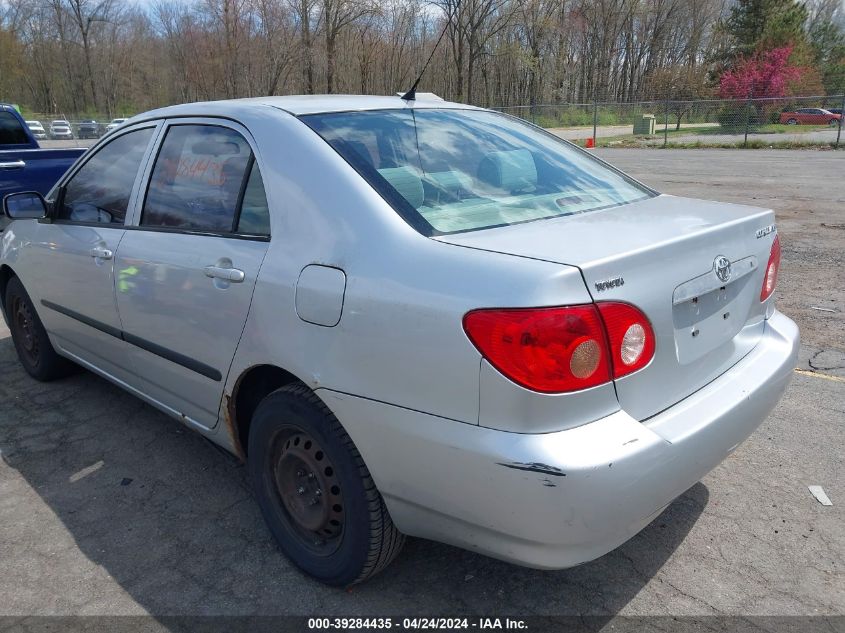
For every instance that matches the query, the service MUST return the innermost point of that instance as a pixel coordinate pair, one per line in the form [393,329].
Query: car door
[187,268]
[71,258]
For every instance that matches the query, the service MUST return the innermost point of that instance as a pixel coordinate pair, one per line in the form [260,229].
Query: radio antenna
[412,93]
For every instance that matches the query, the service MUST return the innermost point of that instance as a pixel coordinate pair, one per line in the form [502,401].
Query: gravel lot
[108,507]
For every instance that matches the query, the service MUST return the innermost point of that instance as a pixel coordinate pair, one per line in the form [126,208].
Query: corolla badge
[607,284]
[722,266]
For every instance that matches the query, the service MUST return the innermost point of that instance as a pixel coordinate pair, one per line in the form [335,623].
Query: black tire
[792,122]
[296,444]
[32,344]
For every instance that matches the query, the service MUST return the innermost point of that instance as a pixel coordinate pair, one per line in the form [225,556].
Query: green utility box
[644,125]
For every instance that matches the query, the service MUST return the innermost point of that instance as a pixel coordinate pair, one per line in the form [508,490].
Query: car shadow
[141,515]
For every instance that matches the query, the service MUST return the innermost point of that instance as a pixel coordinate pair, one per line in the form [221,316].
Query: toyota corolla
[408,317]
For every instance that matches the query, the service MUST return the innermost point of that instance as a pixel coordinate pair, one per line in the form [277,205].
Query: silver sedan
[408,318]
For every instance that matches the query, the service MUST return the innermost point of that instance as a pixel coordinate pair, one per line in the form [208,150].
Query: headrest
[452,180]
[406,181]
[512,170]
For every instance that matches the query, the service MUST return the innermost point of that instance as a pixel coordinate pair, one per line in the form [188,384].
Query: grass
[770,128]
[637,142]
[678,138]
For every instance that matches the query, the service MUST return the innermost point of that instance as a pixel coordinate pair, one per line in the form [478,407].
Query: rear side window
[11,130]
[255,214]
[198,180]
[100,190]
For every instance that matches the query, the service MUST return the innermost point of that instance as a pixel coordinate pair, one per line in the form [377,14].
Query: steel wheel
[315,491]
[32,344]
[309,491]
[24,324]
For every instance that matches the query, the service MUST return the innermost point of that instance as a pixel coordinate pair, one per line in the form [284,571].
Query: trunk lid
[661,255]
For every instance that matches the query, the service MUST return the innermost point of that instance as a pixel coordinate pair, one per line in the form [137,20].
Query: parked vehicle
[115,123]
[60,130]
[89,128]
[38,131]
[23,165]
[407,317]
[836,111]
[810,116]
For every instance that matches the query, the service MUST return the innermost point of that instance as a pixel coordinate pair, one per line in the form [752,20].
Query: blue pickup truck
[24,166]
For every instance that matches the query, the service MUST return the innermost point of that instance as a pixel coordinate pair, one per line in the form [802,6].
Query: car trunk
[659,255]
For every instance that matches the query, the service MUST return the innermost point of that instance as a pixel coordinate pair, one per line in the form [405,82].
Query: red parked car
[810,116]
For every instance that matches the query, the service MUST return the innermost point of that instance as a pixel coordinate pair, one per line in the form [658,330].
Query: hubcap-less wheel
[792,122]
[310,492]
[25,326]
[315,492]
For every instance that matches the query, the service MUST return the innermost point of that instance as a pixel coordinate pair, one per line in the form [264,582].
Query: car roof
[298,105]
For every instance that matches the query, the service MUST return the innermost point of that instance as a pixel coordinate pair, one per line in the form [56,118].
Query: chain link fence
[82,126]
[768,122]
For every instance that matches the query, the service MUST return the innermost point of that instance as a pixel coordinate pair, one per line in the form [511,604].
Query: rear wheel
[32,344]
[315,491]
[833,123]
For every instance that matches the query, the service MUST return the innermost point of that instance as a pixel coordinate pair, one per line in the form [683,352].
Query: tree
[681,85]
[767,74]
[766,24]
[337,15]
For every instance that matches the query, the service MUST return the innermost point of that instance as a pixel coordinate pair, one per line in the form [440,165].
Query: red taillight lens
[552,350]
[770,279]
[630,335]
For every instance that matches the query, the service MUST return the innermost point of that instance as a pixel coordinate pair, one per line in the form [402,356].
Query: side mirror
[25,205]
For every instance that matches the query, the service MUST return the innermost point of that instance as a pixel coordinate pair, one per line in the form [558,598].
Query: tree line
[109,57]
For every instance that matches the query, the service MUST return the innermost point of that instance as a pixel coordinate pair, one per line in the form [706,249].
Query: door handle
[101,253]
[232,275]
[13,164]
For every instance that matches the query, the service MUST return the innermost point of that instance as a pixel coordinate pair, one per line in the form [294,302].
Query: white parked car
[37,130]
[407,317]
[115,123]
[60,130]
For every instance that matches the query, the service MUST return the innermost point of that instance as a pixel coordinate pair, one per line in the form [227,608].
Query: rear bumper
[555,500]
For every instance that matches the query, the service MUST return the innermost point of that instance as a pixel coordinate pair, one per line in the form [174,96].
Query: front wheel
[32,344]
[792,122]
[315,491]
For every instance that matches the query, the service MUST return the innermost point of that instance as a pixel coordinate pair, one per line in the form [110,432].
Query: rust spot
[231,426]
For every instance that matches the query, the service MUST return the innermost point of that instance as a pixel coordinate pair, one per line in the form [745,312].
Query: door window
[100,190]
[198,179]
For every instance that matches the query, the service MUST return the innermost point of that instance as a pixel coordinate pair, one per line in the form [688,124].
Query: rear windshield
[447,171]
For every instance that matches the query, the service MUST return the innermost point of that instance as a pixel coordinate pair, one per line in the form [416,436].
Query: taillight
[770,279]
[552,350]
[630,335]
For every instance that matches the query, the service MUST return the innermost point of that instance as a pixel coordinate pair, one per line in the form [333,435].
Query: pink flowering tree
[764,74]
